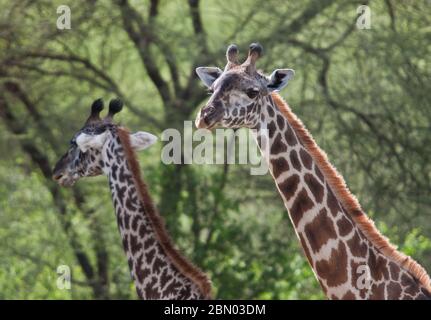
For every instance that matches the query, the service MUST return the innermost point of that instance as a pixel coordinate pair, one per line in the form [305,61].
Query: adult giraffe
[101,147]
[349,256]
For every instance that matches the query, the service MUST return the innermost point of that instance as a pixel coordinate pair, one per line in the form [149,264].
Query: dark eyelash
[252,93]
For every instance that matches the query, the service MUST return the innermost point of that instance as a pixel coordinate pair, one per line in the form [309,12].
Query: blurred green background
[363,94]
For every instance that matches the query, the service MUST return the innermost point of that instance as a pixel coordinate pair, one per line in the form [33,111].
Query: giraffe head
[236,92]
[87,154]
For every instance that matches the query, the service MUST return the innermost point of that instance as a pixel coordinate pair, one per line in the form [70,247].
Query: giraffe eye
[252,93]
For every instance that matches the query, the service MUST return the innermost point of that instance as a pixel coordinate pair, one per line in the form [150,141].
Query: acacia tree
[147,52]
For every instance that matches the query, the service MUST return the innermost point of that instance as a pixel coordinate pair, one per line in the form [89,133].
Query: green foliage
[362,93]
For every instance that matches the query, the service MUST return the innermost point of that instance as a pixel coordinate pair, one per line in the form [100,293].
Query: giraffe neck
[347,264]
[158,270]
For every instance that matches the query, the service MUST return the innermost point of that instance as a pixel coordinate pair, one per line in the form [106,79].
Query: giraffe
[349,256]
[158,269]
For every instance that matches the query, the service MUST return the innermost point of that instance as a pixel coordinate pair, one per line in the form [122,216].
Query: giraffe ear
[86,141]
[279,79]
[142,140]
[208,74]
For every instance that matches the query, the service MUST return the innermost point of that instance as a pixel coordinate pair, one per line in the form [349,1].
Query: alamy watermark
[364,279]
[220,146]
[64,277]
[64,20]
[363,21]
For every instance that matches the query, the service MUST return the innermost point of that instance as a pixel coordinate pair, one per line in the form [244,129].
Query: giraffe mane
[348,200]
[184,266]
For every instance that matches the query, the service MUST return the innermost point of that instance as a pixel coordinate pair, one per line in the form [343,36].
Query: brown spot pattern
[344,226]
[395,270]
[306,159]
[280,122]
[349,295]
[320,230]
[150,256]
[332,202]
[290,136]
[409,284]
[158,264]
[357,247]
[334,270]
[305,248]
[272,129]
[139,273]
[319,173]
[277,145]
[288,187]
[377,265]
[279,166]
[378,292]
[393,290]
[301,205]
[294,160]
[271,112]
[135,244]
[315,187]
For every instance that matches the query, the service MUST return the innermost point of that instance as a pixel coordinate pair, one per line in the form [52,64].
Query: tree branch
[28,146]
[110,83]
[139,34]
[391,11]
[154,6]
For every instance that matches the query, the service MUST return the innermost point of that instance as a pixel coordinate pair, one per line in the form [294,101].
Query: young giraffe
[349,256]
[101,147]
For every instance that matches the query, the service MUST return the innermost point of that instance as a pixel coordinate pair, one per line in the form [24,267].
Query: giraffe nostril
[57,176]
[209,110]
[209,116]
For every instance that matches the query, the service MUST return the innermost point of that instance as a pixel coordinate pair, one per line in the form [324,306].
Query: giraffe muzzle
[208,117]
[57,176]
[63,180]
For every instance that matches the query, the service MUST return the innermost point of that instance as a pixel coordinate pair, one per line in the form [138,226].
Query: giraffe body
[349,256]
[159,270]
[153,271]
[346,263]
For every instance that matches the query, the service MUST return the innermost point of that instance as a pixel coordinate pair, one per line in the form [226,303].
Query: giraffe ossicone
[349,256]
[158,269]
